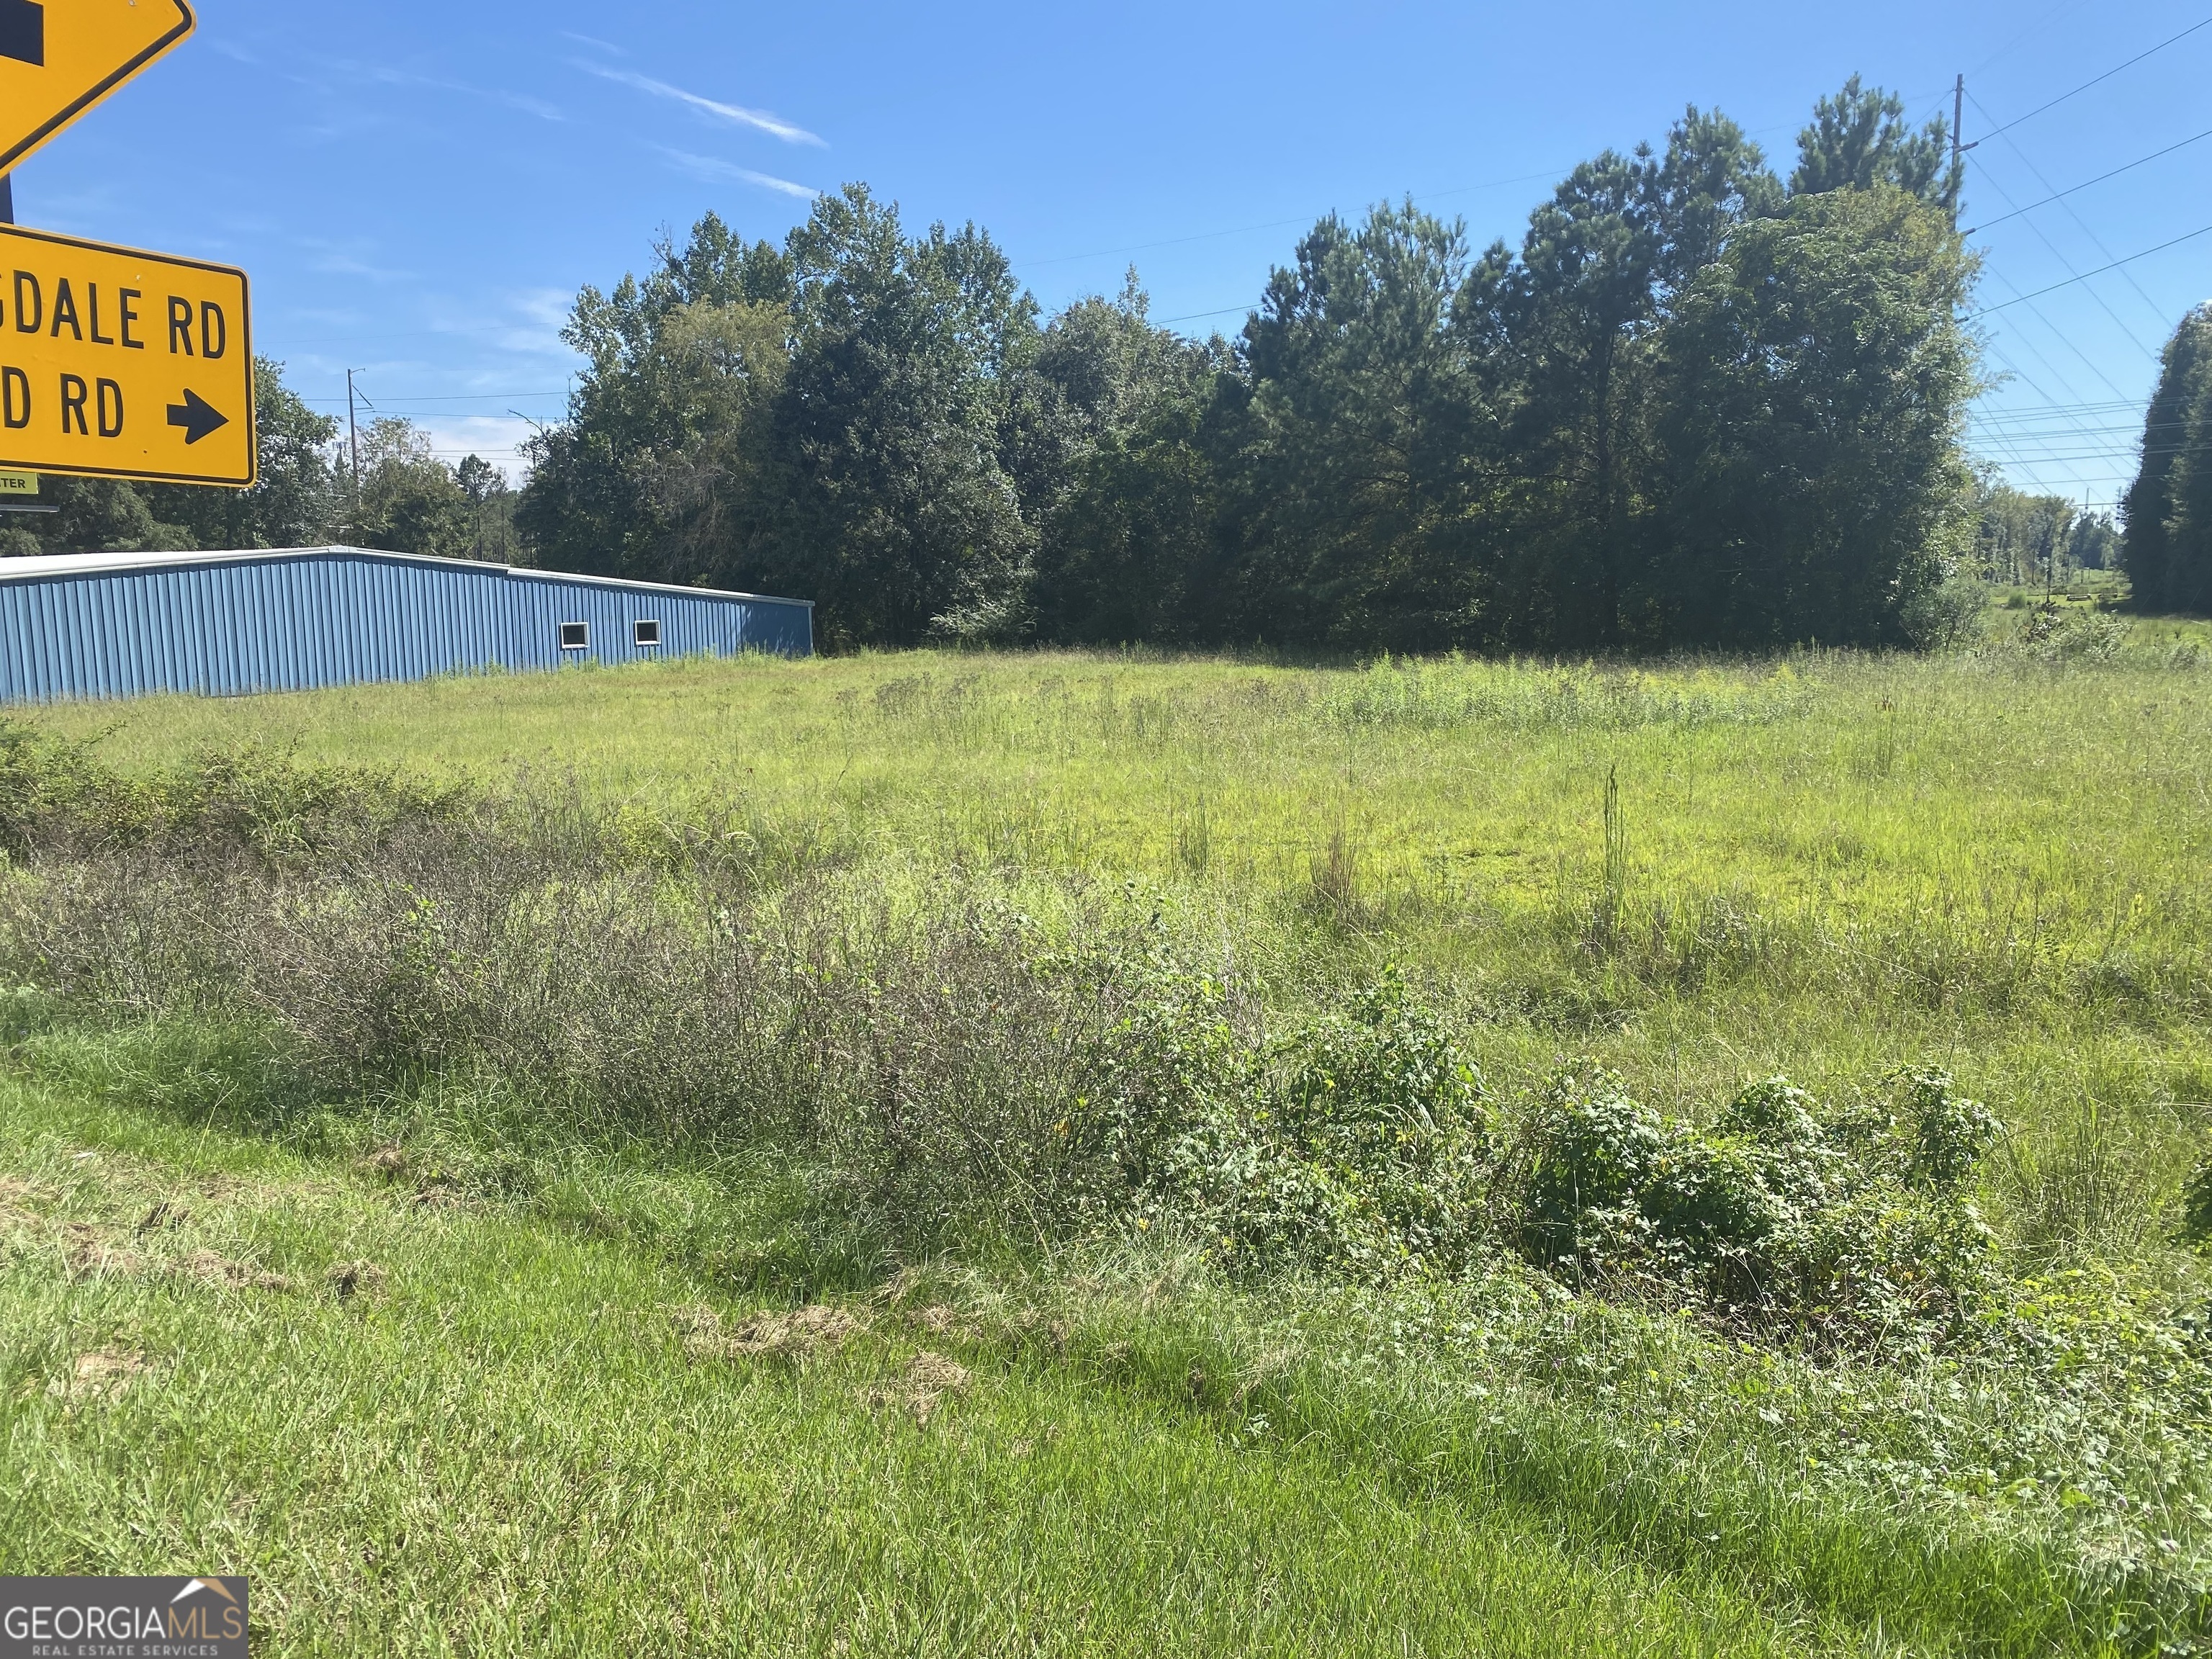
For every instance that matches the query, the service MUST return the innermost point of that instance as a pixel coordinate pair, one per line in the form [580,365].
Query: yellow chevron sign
[115,364]
[60,58]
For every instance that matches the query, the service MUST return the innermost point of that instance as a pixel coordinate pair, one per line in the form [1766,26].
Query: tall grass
[1841,864]
[908,912]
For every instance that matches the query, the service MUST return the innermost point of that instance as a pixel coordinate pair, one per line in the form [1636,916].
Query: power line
[451,398]
[2016,458]
[2095,241]
[2040,416]
[2004,304]
[2066,264]
[2052,445]
[2097,408]
[2029,452]
[2057,333]
[2106,75]
[2064,339]
[2121,455]
[2045,432]
[2085,184]
[1192,316]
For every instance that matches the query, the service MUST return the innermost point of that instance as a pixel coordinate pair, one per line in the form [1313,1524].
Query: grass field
[526,1435]
[1829,865]
[508,1447]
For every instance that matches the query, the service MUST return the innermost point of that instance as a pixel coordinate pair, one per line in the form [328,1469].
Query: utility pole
[1958,149]
[353,436]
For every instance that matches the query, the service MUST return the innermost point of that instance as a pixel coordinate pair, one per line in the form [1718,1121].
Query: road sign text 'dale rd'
[60,58]
[116,363]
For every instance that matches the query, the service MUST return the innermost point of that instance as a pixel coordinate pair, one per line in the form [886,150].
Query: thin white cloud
[547,307]
[774,126]
[385,75]
[526,322]
[713,171]
[337,259]
[516,100]
[594,40]
[540,314]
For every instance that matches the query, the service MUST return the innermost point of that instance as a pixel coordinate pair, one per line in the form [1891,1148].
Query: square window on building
[575,636]
[645,632]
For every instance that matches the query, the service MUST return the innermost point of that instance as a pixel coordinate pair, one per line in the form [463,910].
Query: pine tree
[2166,548]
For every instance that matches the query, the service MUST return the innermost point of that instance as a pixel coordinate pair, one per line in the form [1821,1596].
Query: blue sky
[418,189]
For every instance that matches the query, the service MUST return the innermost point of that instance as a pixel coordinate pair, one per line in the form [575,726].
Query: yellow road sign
[19,483]
[120,364]
[60,58]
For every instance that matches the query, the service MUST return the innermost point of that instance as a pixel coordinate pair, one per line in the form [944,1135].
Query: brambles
[1355,1144]
[2066,636]
[1777,1215]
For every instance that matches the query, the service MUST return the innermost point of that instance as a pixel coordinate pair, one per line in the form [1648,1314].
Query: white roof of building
[82,564]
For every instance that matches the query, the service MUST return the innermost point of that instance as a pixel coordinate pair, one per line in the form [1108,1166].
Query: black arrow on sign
[196,415]
[23,31]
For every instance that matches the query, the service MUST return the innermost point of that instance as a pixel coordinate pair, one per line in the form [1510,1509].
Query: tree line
[1698,404]
[2030,540]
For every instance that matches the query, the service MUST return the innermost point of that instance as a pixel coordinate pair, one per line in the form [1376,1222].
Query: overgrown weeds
[961,1071]
[1038,1074]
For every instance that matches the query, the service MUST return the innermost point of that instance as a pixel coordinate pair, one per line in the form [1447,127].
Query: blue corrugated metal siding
[293,622]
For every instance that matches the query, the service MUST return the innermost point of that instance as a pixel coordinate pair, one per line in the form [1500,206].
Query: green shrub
[1357,1144]
[1950,1134]
[1840,1227]
[1947,615]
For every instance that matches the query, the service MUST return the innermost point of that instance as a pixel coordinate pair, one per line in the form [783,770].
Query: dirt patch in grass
[212,1267]
[144,1241]
[935,1374]
[89,1252]
[941,1321]
[102,1374]
[707,1335]
[14,1202]
[929,1378]
[390,1161]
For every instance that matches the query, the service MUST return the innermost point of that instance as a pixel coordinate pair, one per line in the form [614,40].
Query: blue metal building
[84,625]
